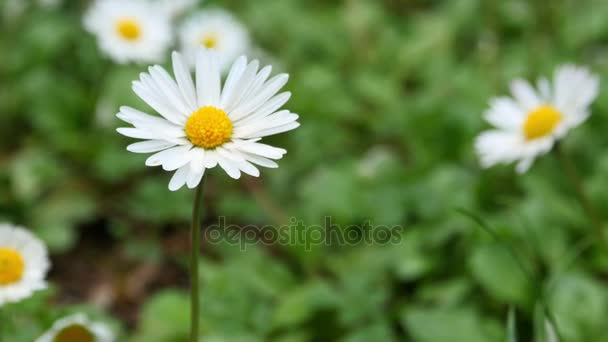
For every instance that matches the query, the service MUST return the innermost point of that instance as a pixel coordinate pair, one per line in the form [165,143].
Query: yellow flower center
[74,333]
[541,122]
[128,28]
[11,266]
[209,127]
[209,41]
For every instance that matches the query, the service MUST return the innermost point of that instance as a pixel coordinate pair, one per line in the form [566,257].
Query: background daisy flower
[204,124]
[214,29]
[77,328]
[528,124]
[130,31]
[23,264]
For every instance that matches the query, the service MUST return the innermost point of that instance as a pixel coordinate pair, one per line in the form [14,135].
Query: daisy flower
[214,29]
[130,30]
[77,328]
[23,264]
[528,124]
[204,124]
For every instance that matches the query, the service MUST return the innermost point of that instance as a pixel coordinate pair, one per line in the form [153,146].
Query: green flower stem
[572,174]
[195,251]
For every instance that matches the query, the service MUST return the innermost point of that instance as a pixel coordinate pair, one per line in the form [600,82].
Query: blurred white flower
[77,328]
[203,124]
[23,264]
[529,124]
[175,8]
[130,30]
[214,29]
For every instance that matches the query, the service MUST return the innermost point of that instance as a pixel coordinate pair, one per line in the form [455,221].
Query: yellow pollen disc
[11,266]
[128,28]
[74,333]
[208,127]
[541,122]
[209,41]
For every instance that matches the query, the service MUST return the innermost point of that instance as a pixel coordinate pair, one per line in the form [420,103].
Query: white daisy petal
[269,90]
[198,159]
[268,108]
[242,85]
[239,161]
[136,133]
[149,146]
[172,158]
[258,160]
[270,131]
[505,113]
[194,178]
[179,178]
[184,80]
[158,104]
[229,166]
[234,76]
[525,94]
[262,150]
[207,79]
[169,87]
[210,160]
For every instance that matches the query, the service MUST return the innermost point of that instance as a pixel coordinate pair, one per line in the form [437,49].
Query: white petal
[179,178]
[241,86]
[198,159]
[137,133]
[207,79]
[271,131]
[256,159]
[239,161]
[169,88]
[505,113]
[524,165]
[275,120]
[263,150]
[525,95]
[184,80]
[237,70]
[154,101]
[268,108]
[495,146]
[210,160]
[257,83]
[194,178]
[149,146]
[171,159]
[229,166]
[269,90]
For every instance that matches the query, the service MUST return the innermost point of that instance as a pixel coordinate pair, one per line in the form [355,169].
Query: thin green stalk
[576,181]
[483,225]
[532,280]
[194,257]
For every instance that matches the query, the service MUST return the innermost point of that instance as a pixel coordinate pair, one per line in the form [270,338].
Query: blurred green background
[390,94]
